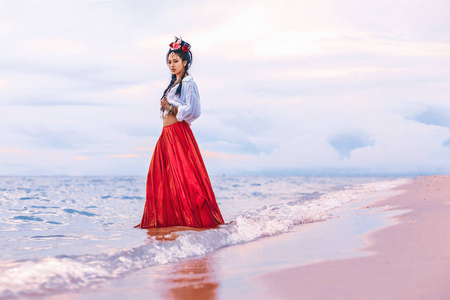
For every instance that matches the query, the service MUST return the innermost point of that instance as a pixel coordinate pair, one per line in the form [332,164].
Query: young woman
[179,191]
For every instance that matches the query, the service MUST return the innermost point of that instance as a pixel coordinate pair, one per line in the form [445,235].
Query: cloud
[439,116]
[311,43]
[126,156]
[44,137]
[446,143]
[346,143]
[15,151]
[82,158]
[225,156]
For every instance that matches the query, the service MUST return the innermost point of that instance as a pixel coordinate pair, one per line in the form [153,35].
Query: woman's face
[176,65]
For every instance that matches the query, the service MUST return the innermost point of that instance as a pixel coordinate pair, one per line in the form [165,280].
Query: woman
[179,192]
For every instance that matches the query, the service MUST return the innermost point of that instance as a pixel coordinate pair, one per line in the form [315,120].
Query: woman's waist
[169,120]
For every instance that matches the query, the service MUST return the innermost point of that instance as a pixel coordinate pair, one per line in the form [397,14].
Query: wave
[65,273]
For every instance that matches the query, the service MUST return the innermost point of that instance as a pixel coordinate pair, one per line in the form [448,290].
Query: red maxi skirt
[179,191]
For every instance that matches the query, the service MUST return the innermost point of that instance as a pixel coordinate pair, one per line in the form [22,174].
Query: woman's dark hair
[185,56]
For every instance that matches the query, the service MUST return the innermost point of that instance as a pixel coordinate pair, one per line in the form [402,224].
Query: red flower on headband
[185,48]
[176,46]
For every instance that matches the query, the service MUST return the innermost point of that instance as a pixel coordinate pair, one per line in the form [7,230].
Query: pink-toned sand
[411,260]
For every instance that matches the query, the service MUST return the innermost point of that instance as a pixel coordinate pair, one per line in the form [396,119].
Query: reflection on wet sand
[169,233]
[189,279]
[193,279]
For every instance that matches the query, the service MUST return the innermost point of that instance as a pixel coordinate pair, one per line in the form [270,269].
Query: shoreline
[229,272]
[409,259]
[296,264]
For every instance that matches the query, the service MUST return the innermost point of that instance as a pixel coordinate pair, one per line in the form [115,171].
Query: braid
[174,77]
[178,92]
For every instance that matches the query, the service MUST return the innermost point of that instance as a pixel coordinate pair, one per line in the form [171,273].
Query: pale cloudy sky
[286,86]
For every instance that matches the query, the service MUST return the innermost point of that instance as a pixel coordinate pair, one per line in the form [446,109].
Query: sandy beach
[411,260]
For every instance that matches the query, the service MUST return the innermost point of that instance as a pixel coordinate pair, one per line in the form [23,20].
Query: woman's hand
[165,104]
[173,110]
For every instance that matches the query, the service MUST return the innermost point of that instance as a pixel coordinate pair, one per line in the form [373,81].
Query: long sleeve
[191,110]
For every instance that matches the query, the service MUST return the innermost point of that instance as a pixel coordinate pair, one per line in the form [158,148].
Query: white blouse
[188,103]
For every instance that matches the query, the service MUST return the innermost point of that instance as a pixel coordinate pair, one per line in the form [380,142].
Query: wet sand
[409,260]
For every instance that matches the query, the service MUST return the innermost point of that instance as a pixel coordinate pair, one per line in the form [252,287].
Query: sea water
[66,233]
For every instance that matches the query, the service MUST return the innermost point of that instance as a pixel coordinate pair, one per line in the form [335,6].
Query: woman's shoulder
[188,78]
[190,84]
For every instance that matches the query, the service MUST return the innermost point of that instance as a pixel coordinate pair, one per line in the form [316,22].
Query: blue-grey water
[67,233]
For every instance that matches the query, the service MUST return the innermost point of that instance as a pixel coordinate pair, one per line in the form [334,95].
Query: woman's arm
[191,110]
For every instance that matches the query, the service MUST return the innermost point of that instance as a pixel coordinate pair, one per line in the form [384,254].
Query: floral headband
[179,43]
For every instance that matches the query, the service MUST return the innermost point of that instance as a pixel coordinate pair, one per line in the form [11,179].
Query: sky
[286,87]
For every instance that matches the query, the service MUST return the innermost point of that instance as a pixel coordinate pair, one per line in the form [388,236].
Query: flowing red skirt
[179,191]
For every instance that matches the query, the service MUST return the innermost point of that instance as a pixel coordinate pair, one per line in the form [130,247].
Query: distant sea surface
[66,233]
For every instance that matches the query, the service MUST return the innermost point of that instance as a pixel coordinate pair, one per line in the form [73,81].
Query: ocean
[62,234]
